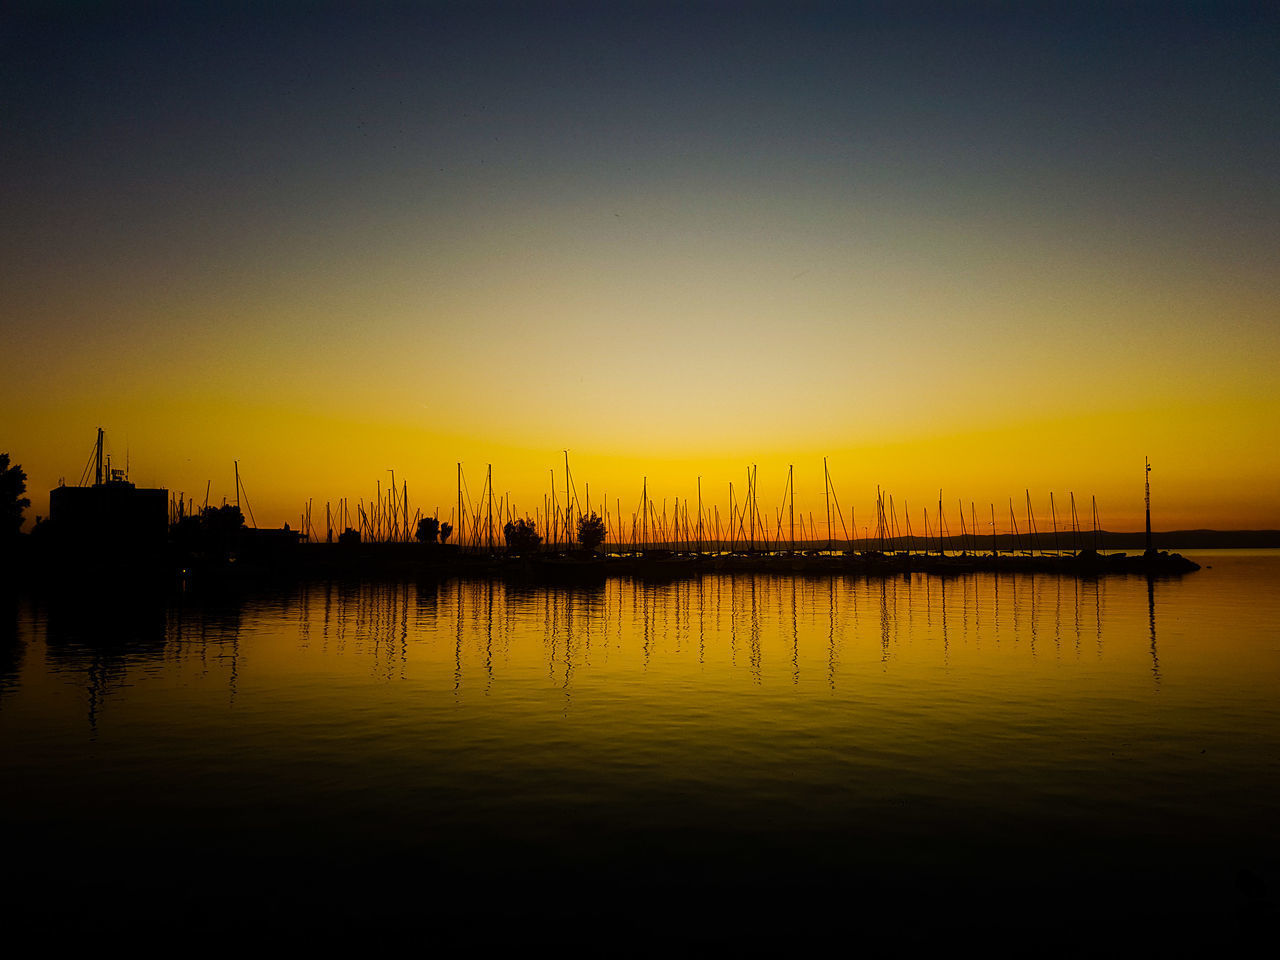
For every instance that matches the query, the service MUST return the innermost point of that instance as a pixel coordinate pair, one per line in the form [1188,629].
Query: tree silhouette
[211,532]
[428,530]
[222,521]
[590,531]
[13,484]
[446,528]
[522,536]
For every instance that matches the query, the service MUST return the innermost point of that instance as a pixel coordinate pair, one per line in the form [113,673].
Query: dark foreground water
[1040,763]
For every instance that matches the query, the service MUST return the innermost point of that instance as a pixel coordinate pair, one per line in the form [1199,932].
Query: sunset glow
[982,254]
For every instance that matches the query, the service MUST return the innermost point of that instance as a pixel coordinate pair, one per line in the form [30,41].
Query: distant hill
[1107,540]
[1202,539]
[1111,540]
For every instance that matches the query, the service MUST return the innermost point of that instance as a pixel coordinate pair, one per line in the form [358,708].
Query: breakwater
[405,559]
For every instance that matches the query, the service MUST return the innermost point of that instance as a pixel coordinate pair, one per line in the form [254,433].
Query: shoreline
[408,561]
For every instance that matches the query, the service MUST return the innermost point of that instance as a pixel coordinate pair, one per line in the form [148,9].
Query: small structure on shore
[110,519]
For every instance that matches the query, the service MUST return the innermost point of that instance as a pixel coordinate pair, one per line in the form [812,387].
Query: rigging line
[836,497]
[84,474]
[244,490]
[573,484]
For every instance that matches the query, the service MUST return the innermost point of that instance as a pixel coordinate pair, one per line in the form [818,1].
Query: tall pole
[1075,525]
[699,515]
[826,490]
[880,520]
[391,502]
[644,512]
[733,519]
[941,546]
[1032,533]
[791,487]
[1148,482]
[1054,514]
[755,506]
[1095,522]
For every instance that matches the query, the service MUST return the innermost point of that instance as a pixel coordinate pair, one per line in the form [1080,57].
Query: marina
[672,478]
[111,528]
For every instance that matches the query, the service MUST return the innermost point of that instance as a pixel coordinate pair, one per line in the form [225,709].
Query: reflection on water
[821,740]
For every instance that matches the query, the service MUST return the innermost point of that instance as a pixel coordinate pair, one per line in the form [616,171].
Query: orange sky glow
[1010,271]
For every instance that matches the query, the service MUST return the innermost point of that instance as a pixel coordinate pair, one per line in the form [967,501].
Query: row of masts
[477,522]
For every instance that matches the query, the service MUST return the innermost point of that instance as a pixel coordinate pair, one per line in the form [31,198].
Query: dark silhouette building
[112,518]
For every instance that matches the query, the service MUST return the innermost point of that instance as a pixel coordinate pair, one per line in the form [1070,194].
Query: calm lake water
[741,758]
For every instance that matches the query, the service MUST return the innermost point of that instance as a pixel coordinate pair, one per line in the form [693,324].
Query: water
[747,758]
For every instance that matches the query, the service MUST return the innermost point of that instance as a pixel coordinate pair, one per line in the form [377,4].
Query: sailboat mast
[791,509]
[699,515]
[941,546]
[1053,513]
[1075,524]
[1147,477]
[732,518]
[826,489]
[644,512]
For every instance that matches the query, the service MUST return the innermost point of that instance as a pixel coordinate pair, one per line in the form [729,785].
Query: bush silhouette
[428,530]
[590,531]
[522,536]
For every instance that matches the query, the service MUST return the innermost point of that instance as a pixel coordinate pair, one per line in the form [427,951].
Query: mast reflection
[1151,621]
[100,636]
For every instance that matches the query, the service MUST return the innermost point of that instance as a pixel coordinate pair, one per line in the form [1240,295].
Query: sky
[979,248]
